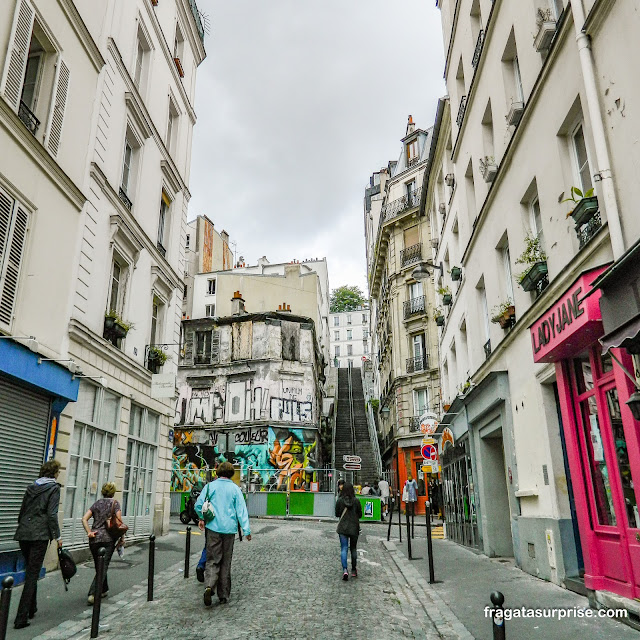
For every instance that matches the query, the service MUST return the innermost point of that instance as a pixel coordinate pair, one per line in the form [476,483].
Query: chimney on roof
[284,308]
[237,304]
[411,127]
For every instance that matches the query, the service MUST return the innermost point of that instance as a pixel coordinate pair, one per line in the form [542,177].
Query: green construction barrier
[300,503]
[276,504]
[370,508]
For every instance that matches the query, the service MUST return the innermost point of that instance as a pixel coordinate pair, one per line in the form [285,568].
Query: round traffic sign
[429,452]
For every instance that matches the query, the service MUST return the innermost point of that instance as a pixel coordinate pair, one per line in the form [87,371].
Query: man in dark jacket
[349,510]
[37,526]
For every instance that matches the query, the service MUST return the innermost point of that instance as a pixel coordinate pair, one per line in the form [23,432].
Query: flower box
[585,210]
[544,37]
[508,318]
[179,67]
[435,242]
[456,273]
[440,321]
[489,169]
[515,113]
[447,299]
[449,180]
[532,277]
[442,208]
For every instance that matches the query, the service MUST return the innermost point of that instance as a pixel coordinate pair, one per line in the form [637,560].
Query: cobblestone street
[286,583]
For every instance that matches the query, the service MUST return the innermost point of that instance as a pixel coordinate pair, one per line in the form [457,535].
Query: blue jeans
[203,559]
[346,541]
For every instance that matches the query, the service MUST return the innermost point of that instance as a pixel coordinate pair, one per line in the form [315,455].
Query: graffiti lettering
[291,410]
[251,436]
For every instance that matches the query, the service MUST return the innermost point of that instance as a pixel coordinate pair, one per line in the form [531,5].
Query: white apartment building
[350,337]
[545,463]
[96,121]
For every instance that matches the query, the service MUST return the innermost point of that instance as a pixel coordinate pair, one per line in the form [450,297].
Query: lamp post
[421,272]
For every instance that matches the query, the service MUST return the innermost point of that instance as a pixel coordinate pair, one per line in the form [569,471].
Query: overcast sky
[298,103]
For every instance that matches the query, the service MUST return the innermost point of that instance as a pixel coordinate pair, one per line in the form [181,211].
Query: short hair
[225,470]
[50,469]
[109,489]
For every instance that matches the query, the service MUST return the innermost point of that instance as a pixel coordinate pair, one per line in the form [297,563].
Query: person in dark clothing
[349,510]
[37,526]
[101,511]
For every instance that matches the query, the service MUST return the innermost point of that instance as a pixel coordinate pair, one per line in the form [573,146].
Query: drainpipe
[599,137]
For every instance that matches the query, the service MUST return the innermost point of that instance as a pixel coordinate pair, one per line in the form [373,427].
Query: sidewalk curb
[442,617]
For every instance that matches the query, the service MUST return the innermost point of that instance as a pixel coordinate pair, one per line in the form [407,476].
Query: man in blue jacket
[229,512]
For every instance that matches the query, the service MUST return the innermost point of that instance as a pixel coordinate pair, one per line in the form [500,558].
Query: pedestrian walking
[366,490]
[99,536]
[410,494]
[224,511]
[37,526]
[375,490]
[349,510]
[340,485]
[383,485]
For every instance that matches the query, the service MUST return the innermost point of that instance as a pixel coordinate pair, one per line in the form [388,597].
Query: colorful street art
[270,458]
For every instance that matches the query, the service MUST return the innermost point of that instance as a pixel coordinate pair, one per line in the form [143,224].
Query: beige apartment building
[546,461]
[404,336]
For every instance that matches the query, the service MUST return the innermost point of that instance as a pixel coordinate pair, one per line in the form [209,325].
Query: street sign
[429,452]
[352,466]
[428,423]
[356,459]
[430,466]
[428,441]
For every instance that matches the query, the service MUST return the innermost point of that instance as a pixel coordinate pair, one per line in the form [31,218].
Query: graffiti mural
[270,458]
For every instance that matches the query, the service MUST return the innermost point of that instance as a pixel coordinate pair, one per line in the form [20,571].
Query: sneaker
[345,576]
[90,600]
[200,574]
[105,594]
[354,573]
[207,597]
[21,625]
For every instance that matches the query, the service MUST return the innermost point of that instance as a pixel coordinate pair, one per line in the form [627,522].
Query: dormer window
[412,150]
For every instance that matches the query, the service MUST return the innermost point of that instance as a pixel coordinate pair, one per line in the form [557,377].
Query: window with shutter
[18,52]
[57,112]
[215,347]
[13,232]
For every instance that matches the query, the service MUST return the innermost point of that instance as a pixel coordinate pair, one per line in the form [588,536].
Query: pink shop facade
[601,436]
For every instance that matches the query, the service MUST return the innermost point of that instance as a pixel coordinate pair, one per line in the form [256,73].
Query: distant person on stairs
[366,490]
[349,510]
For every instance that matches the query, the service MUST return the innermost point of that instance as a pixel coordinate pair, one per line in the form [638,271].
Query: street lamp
[634,404]
[385,411]
[421,272]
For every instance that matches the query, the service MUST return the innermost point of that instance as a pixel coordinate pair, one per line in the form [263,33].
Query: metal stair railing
[373,436]
[351,414]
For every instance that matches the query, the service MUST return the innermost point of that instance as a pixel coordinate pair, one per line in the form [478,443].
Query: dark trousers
[109,549]
[352,543]
[33,552]
[217,573]
[202,563]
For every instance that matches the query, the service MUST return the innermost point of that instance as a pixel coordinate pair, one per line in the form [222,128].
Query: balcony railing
[161,249]
[487,349]
[414,306]
[414,424]
[412,162]
[198,18]
[421,363]
[589,229]
[400,205]
[411,254]
[478,50]
[125,198]
[461,108]
[28,118]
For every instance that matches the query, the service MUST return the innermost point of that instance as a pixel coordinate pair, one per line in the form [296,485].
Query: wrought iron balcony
[415,365]
[28,118]
[487,349]
[412,162]
[478,50]
[461,109]
[125,198]
[414,306]
[414,424]
[400,205]
[161,249]
[411,254]
[589,229]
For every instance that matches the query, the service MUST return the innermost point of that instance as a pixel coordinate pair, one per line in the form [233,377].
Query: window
[336,335]
[349,334]
[178,49]
[336,321]
[188,241]
[211,287]
[506,262]
[412,150]
[518,80]
[184,293]
[154,321]
[365,334]
[14,222]
[137,74]
[163,222]
[420,401]
[141,60]
[210,310]
[485,312]
[32,75]
[366,347]
[410,187]
[126,166]
[116,289]
[349,349]
[556,7]
[365,318]
[337,351]
[203,347]
[581,159]
[172,128]
[536,221]
[415,290]
[348,319]
[418,347]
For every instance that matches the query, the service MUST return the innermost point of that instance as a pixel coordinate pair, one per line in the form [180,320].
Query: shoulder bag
[208,514]
[114,525]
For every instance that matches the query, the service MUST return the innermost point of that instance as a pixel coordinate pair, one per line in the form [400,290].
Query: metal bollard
[429,542]
[408,536]
[390,512]
[152,562]
[5,601]
[413,519]
[97,596]
[400,516]
[497,619]
[187,553]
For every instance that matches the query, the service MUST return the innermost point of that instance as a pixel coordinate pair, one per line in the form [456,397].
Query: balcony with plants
[156,357]
[115,328]
[504,314]
[535,276]
[438,316]
[447,296]
[585,214]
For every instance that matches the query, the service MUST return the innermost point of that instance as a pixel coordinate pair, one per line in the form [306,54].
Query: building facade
[251,390]
[546,449]
[405,344]
[350,337]
[96,124]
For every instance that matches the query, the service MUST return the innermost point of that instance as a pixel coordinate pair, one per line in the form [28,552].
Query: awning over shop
[627,337]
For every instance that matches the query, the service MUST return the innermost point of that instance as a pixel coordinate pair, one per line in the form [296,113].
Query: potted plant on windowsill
[438,316]
[504,314]
[446,407]
[546,30]
[456,273]
[115,327]
[157,357]
[586,206]
[535,261]
[447,297]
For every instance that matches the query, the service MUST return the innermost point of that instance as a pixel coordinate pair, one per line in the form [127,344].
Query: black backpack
[67,566]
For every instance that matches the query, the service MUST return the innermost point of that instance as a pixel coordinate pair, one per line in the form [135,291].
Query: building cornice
[597,16]
[87,41]
[196,42]
[16,129]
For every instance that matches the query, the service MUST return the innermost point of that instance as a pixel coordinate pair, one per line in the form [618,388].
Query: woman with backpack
[349,510]
[104,512]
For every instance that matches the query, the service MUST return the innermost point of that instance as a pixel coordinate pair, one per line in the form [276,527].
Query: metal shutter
[24,424]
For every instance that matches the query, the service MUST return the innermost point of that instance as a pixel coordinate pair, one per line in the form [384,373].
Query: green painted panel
[276,504]
[301,503]
[373,508]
